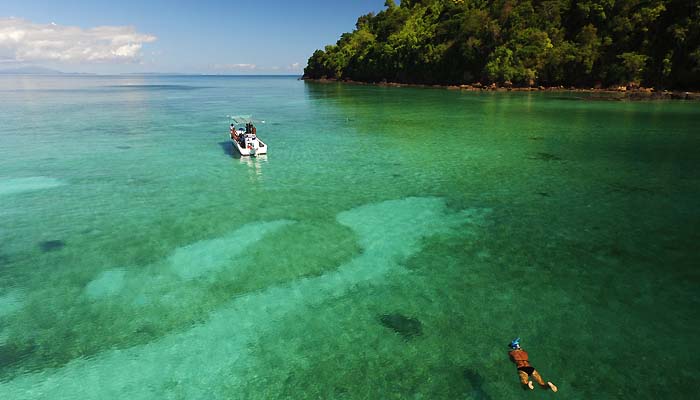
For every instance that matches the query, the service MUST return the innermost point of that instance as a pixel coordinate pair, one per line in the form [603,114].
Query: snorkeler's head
[515,344]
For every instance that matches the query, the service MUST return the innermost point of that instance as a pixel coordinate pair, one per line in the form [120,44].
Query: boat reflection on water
[255,166]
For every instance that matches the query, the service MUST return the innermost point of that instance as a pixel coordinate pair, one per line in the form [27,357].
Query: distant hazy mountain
[30,70]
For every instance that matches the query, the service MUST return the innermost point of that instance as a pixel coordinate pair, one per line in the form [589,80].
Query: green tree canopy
[526,42]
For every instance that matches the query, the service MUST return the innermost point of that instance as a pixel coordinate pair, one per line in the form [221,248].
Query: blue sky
[243,36]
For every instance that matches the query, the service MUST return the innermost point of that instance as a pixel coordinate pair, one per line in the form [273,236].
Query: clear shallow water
[140,259]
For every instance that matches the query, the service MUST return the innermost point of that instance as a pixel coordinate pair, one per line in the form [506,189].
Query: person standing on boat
[233,131]
[255,130]
[525,370]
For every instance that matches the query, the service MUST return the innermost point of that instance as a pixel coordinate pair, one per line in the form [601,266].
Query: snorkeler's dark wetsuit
[525,370]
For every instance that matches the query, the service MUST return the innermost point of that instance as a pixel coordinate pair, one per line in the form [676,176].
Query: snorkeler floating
[525,370]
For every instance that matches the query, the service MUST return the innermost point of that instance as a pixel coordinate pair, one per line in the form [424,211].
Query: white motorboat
[244,136]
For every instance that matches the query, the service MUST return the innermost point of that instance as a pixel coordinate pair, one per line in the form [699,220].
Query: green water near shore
[141,259]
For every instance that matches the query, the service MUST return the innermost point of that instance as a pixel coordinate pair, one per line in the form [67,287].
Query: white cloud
[254,68]
[294,67]
[244,66]
[236,66]
[25,41]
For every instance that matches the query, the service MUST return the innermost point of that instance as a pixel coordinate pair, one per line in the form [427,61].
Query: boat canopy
[241,119]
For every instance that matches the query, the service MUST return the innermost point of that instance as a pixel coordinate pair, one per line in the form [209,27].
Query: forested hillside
[523,42]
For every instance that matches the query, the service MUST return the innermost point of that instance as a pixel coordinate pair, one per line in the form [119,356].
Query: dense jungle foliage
[523,42]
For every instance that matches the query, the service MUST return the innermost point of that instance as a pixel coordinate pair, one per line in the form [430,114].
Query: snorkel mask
[514,344]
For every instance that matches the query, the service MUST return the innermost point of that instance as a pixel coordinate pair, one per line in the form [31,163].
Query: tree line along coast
[641,46]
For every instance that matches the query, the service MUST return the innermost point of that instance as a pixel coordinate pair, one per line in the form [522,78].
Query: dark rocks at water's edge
[51,245]
[405,326]
[584,93]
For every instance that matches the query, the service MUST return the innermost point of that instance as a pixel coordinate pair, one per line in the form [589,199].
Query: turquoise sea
[390,245]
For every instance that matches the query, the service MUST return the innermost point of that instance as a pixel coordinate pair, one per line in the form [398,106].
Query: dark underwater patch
[477,383]
[4,260]
[405,326]
[52,245]
[603,97]
[590,97]
[147,331]
[622,188]
[545,157]
[568,98]
[12,354]
[124,147]
[139,181]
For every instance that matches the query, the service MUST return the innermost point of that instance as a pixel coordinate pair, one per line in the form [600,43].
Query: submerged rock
[477,383]
[51,245]
[405,326]
[545,157]
[12,354]
[4,260]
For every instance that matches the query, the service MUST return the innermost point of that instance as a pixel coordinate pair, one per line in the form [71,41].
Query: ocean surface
[389,246]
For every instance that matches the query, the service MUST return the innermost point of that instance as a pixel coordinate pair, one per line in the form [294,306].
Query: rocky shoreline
[616,93]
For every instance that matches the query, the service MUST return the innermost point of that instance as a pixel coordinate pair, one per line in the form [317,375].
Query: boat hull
[262,149]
